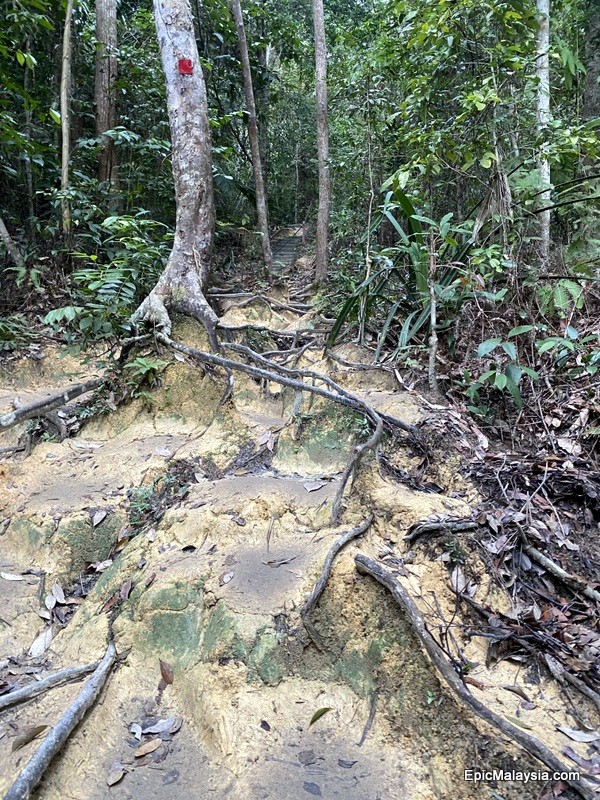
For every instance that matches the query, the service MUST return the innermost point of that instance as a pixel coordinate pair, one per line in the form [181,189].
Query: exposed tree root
[289,377]
[443,526]
[326,572]
[153,310]
[39,687]
[41,407]
[435,653]
[34,771]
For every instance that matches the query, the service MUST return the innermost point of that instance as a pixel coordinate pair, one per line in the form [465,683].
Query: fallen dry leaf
[579,736]
[58,593]
[117,771]
[27,735]
[313,486]
[41,643]
[148,747]
[125,590]
[226,577]
[162,451]
[50,602]
[98,517]
[9,576]
[162,726]
[136,729]
[150,578]
[166,670]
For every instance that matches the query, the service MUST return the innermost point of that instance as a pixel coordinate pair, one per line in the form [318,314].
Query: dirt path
[231,509]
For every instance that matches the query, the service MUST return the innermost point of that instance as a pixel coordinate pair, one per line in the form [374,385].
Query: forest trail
[286,247]
[195,532]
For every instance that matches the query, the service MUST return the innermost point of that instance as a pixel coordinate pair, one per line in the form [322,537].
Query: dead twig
[39,687]
[34,771]
[433,650]
[49,404]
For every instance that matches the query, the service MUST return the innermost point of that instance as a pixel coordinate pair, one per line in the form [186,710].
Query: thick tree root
[34,771]
[153,312]
[435,653]
[325,573]
[283,375]
[41,407]
[39,687]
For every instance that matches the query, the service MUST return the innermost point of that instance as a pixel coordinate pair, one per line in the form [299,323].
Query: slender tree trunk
[261,196]
[28,167]
[591,98]
[543,117]
[181,285]
[65,91]
[104,93]
[11,247]
[322,142]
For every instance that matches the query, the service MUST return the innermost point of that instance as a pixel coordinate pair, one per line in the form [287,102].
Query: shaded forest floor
[194,531]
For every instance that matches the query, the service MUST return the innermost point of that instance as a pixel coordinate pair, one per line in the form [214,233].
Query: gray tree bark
[65,118]
[322,142]
[591,97]
[257,167]
[104,93]
[11,247]
[543,117]
[181,285]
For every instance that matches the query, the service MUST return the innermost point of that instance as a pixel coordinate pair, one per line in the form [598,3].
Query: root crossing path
[196,535]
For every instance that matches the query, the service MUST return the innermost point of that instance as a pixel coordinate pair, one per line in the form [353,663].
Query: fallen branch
[33,772]
[572,581]
[39,687]
[335,549]
[435,653]
[49,404]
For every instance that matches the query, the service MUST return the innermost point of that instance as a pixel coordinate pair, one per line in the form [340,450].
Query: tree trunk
[543,116]
[591,98]
[11,247]
[322,142]
[261,196]
[104,93]
[65,91]
[181,285]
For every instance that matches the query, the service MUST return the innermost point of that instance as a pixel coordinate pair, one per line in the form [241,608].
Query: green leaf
[547,344]
[572,332]
[318,714]
[516,394]
[510,349]
[501,380]
[20,57]
[520,329]
[55,115]
[487,347]
[513,373]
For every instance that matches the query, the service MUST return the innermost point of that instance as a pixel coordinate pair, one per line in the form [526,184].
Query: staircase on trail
[286,247]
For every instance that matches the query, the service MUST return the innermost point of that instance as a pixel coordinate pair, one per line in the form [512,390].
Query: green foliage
[106,295]
[14,333]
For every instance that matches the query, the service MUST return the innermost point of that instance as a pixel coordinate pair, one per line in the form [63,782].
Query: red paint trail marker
[185,66]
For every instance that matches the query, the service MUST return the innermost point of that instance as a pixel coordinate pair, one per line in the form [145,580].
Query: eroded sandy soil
[216,588]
